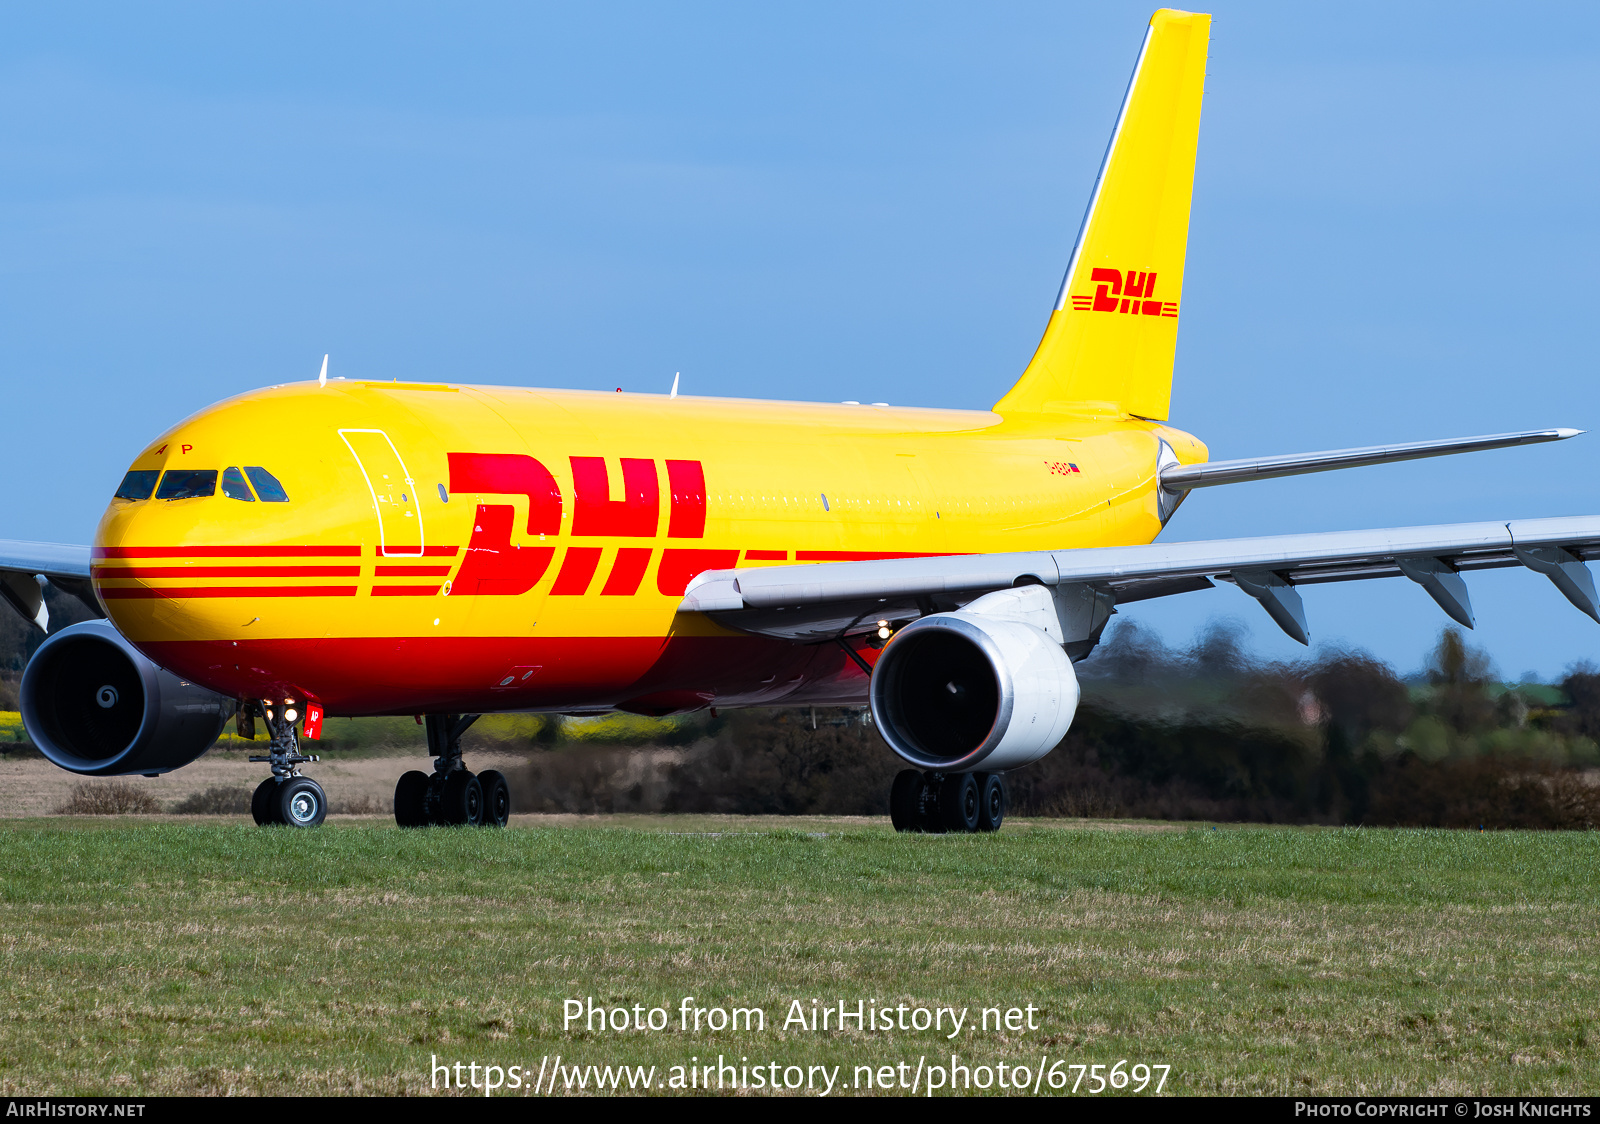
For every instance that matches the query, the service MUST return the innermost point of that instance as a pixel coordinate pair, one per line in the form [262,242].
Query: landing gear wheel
[496,798]
[905,801]
[992,801]
[411,799]
[263,805]
[958,802]
[932,819]
[461,800]
[301,802]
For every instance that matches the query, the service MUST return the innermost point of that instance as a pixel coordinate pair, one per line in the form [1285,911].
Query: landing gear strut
[947,802]
[286,797]
[452,795]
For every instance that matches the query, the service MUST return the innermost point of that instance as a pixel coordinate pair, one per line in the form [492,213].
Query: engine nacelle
[94,705]
[953,692]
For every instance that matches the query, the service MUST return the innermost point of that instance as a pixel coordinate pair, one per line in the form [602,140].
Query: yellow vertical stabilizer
[1111,339]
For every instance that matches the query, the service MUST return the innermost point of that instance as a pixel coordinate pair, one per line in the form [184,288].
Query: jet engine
[94,705]
[954,692]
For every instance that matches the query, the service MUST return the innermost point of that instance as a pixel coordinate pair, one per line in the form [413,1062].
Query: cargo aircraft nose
[174,534]
[205,541]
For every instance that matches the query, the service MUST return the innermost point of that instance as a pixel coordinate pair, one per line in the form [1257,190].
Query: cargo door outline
[406,507]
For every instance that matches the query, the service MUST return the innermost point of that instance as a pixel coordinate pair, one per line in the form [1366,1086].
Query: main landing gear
[286,797]
[946,802]
[451,795]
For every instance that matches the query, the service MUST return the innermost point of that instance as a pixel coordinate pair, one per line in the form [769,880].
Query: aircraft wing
[836,599]
[23,563]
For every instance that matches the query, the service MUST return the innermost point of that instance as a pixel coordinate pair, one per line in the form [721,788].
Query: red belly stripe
[412,571]
[405,675]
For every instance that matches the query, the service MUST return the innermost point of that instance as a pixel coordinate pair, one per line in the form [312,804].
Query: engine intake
[953,692]
[94,705]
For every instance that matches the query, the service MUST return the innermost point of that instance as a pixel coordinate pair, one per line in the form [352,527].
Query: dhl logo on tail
[1133,294]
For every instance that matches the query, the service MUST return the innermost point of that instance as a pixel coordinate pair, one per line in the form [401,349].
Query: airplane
[448,550]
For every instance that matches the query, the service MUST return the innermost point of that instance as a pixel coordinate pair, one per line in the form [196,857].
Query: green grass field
[161,957]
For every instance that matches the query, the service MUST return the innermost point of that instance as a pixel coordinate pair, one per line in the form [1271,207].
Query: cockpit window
[234,487]
[187,484]
[267,486]
[138,485]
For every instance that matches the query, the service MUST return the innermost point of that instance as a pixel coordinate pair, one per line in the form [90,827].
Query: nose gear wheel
[286,798]
[289,802]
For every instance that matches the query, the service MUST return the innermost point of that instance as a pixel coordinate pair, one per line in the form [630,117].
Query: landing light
[884,632]
[291,714]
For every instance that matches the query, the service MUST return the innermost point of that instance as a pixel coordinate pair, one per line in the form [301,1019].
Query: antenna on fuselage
[675,375]
[322,379]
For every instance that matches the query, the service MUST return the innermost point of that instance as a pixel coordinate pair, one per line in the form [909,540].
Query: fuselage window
[138,485]
[234,487]
[267,486]
[187,484]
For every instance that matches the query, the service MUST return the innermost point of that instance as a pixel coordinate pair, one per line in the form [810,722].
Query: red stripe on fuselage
[862,555]
[227,552]
[680,565]
[412,552]
[405,590]
[411,571]
[226,571]
[178,592]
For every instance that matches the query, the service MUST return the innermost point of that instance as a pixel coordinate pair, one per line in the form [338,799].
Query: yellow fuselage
[489,548]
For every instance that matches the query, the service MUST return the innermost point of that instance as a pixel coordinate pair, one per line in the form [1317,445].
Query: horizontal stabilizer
[1182,477]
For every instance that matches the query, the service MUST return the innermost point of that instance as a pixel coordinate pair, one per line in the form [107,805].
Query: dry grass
[218,800]
[363,804]
[109,798]
[32,786]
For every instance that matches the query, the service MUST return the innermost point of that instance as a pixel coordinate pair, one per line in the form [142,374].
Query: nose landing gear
[452,795]
[938,803]
[286,797]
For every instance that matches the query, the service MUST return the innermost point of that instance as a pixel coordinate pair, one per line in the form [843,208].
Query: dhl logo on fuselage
[1132,294]
[494,567]
[491,564]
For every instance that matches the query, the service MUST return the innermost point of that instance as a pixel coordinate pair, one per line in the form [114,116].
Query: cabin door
[393,491]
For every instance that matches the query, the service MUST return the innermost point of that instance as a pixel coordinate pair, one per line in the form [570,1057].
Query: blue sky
[1393,235]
